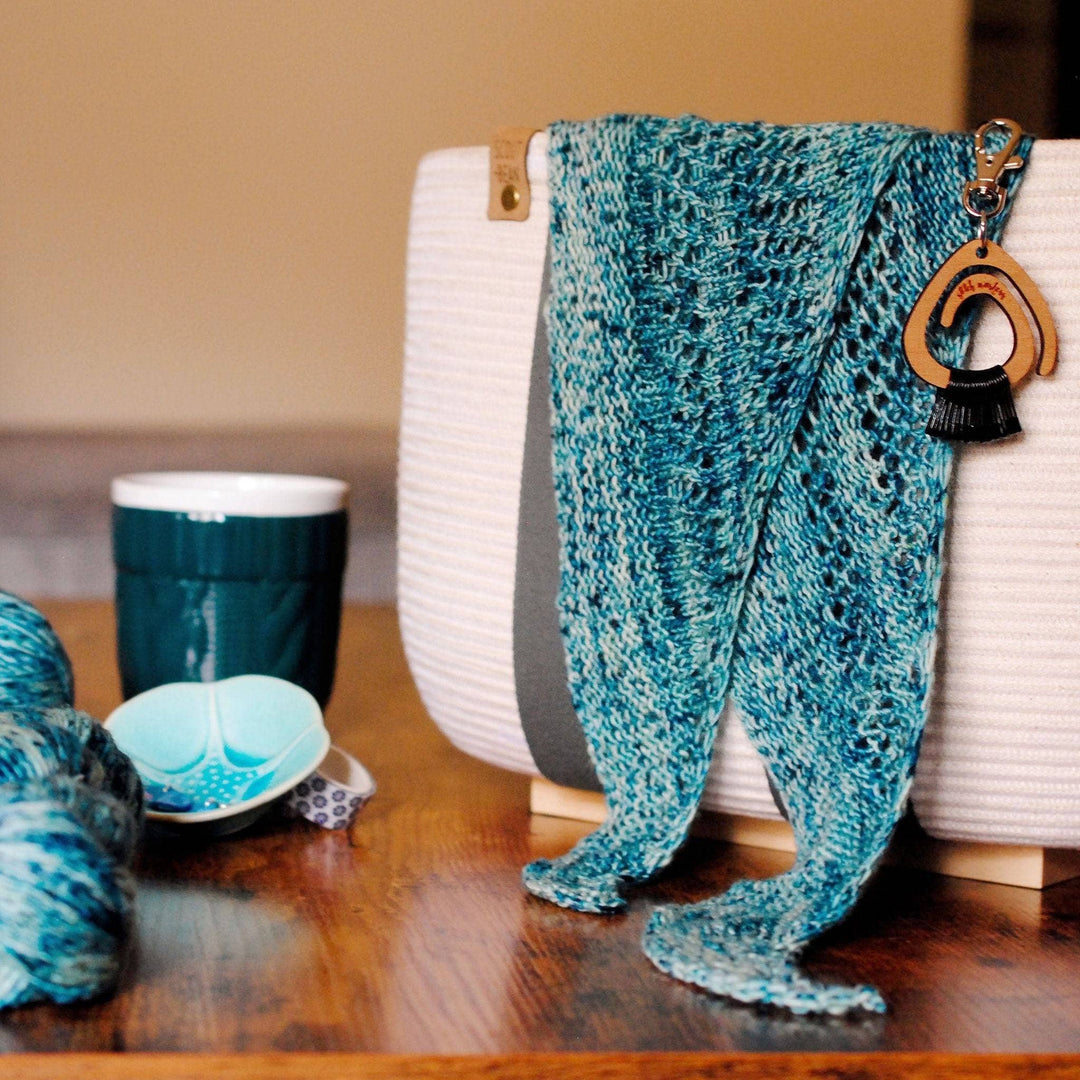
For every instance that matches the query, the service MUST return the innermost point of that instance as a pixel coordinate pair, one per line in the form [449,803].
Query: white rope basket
[1000,760]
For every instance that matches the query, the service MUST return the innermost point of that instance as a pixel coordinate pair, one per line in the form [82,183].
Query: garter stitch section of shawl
[747,501]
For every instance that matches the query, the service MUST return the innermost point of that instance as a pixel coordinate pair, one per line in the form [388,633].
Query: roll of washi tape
[333,794]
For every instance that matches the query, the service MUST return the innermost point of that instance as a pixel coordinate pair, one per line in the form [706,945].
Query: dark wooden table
[408,948]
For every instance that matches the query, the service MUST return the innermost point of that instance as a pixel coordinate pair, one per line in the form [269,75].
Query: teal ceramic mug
[223,574]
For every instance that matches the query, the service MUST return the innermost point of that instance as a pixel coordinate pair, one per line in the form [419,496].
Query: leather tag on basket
[509,198]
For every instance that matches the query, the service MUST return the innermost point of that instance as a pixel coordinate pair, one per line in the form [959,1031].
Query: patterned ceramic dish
[218,754]
[334,794]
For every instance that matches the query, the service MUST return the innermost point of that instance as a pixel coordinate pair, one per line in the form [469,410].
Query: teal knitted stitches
[746,500]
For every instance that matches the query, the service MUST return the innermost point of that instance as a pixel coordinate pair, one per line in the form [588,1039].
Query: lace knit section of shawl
[747,503]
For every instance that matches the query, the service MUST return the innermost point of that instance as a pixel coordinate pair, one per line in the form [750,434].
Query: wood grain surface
[412,936]
[547,1066]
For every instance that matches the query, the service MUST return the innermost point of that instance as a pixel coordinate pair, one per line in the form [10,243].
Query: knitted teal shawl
[748,504]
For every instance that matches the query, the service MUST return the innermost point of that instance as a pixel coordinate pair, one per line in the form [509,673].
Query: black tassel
[976,406]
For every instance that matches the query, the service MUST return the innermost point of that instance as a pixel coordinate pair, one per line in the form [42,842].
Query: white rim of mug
[249,494]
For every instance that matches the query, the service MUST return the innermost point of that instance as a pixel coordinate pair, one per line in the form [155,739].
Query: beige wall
[203,203]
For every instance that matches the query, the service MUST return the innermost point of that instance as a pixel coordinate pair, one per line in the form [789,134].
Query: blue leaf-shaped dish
[220,753]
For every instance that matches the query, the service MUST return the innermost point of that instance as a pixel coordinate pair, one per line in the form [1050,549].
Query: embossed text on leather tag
[509,199]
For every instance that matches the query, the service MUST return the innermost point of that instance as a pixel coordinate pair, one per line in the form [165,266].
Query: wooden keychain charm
[977,405]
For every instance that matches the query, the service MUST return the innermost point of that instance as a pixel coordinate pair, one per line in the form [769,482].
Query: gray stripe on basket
[548,718]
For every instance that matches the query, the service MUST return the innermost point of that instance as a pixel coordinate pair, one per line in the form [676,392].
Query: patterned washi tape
[333,794]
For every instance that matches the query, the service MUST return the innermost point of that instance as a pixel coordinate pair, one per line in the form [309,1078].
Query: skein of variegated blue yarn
[70,817]
[34,668]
